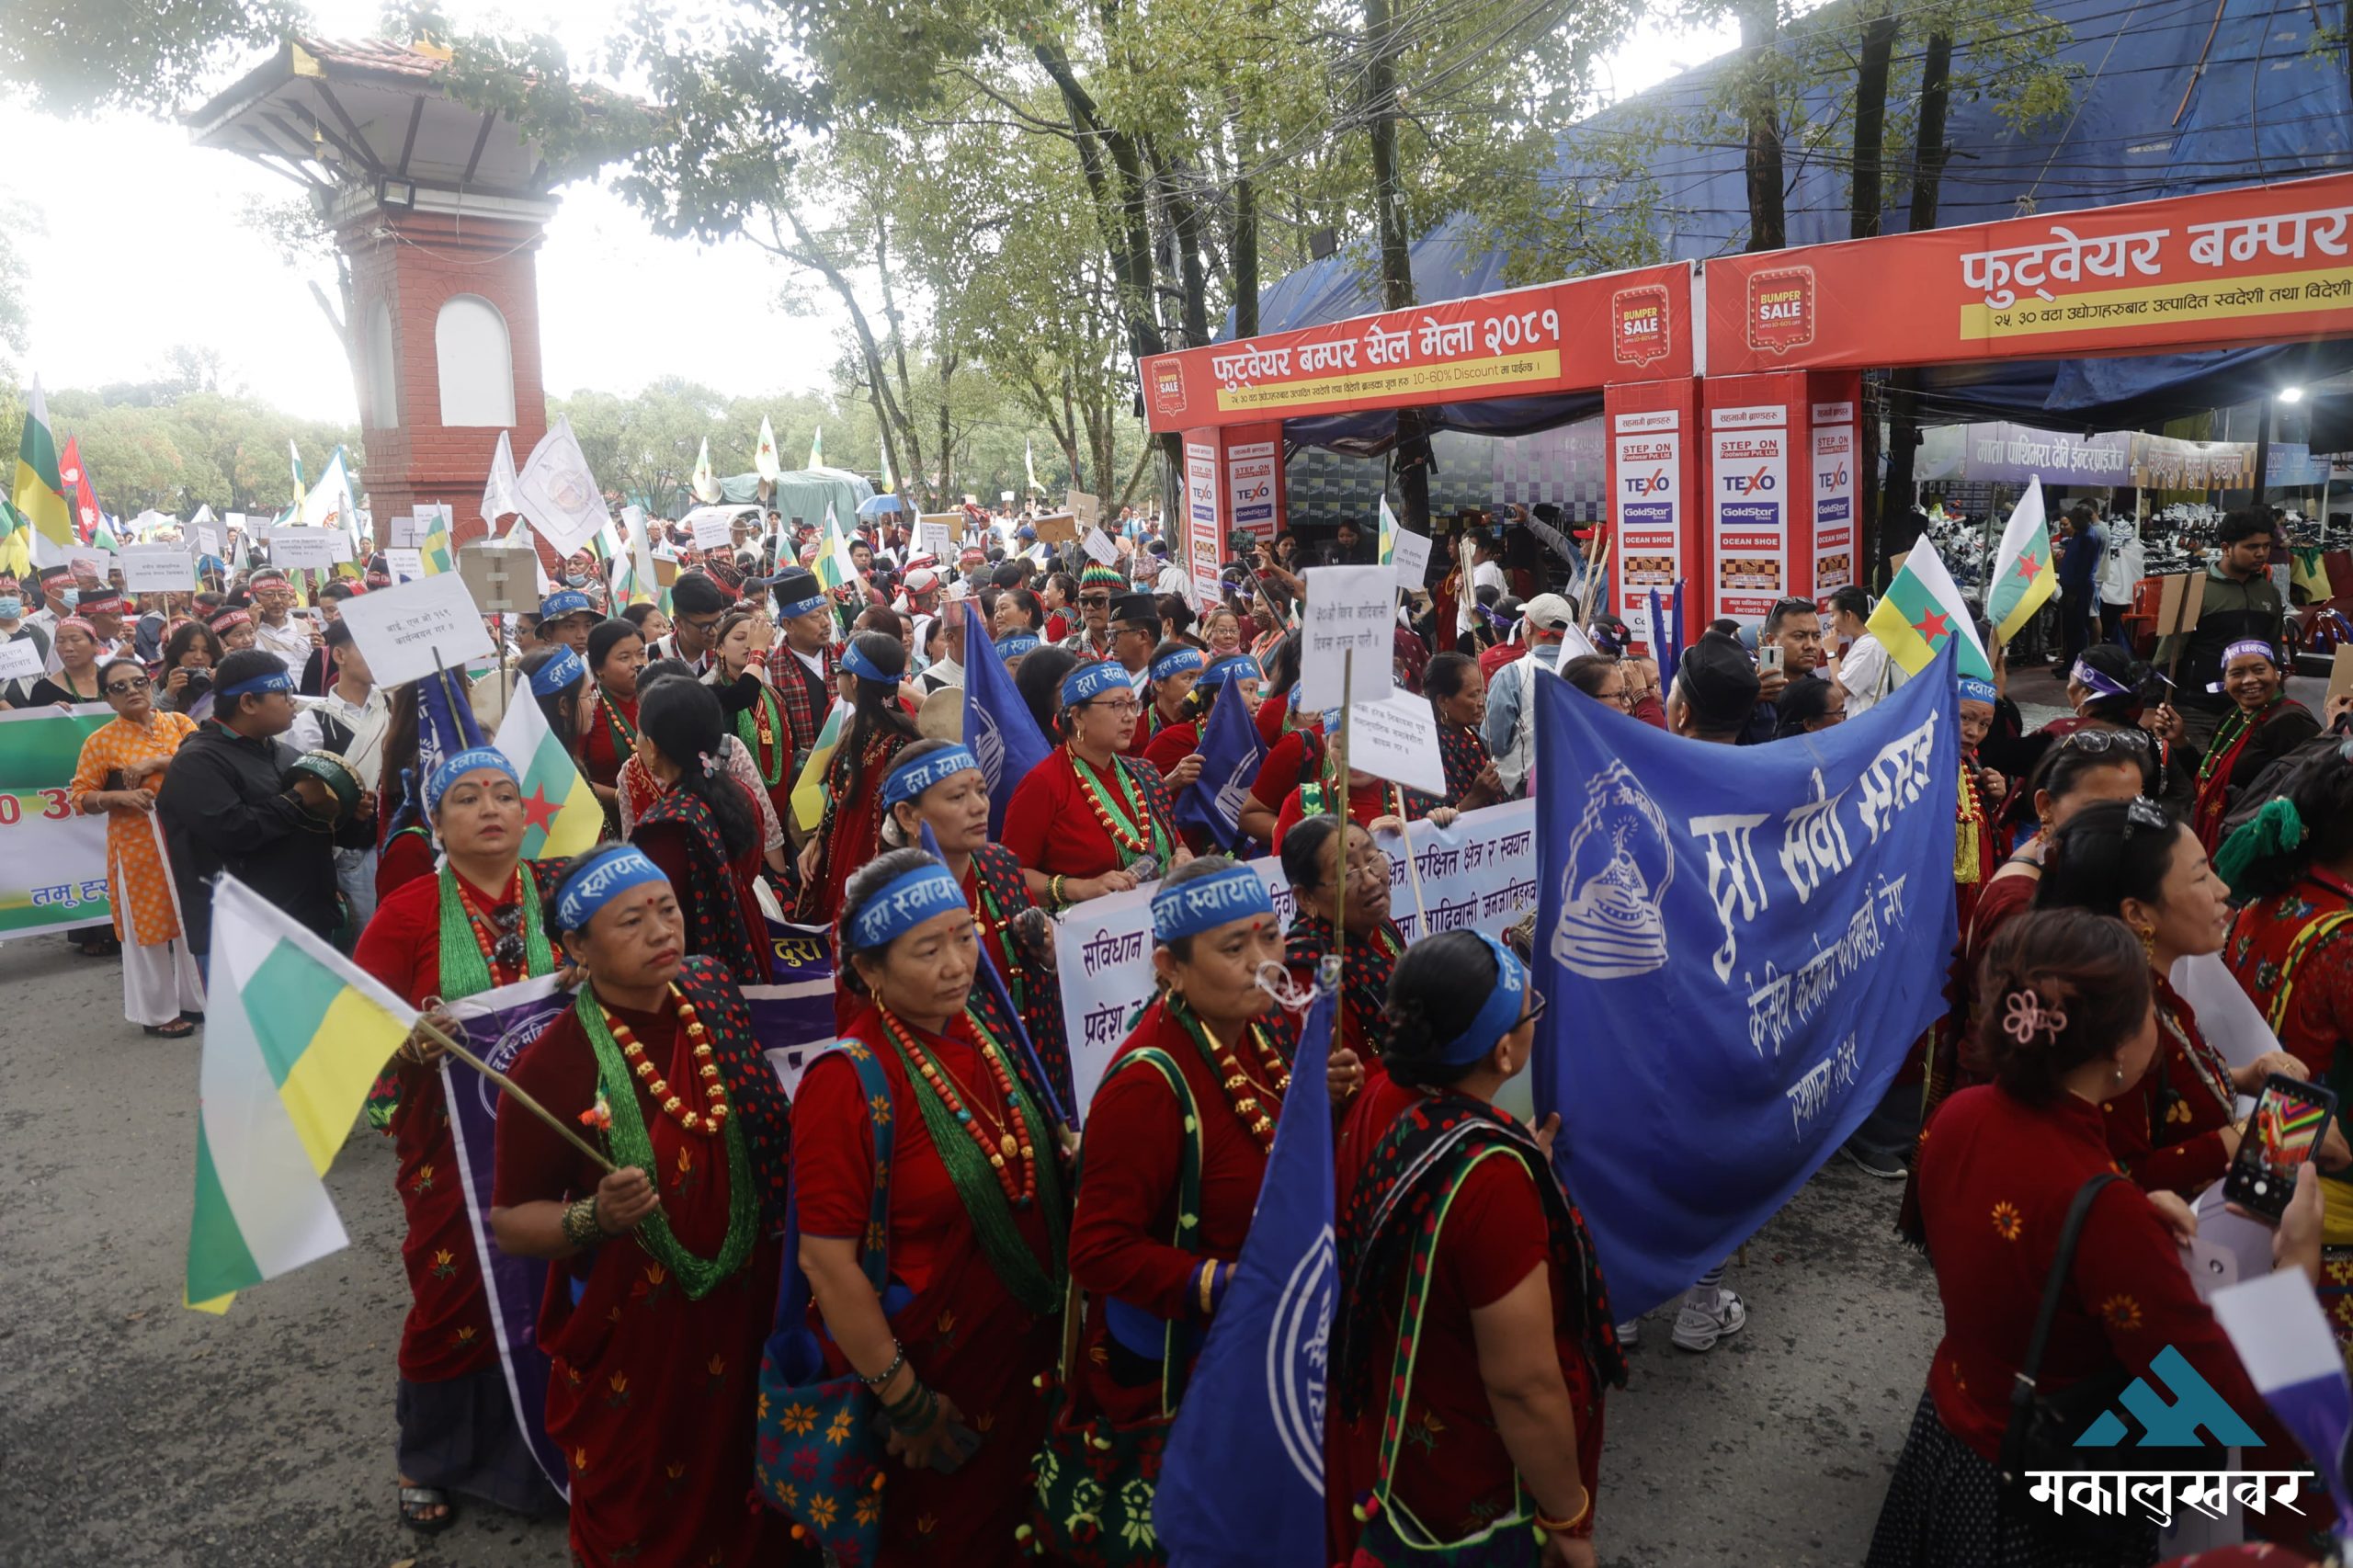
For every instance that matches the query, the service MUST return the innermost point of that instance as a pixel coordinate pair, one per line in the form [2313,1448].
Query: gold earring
[2148,935]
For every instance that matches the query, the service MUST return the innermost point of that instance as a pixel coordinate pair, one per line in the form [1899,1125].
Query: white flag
[1029,464]
[764,460]
[498,495]
[557,494]
[706,483]
[328,503]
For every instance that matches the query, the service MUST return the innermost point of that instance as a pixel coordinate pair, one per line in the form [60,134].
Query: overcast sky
[143,250]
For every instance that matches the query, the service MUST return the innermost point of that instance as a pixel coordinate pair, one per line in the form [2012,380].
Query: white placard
[405,565]
[157,569]
[207,541]
[296,549]
[20,660]
[342,545]
[403,533]
[237,521]
[400,630]
[1397,739]
[936,535]
[86,562]
[714,529]
[1349,608]
[1100,547]
[1412,560]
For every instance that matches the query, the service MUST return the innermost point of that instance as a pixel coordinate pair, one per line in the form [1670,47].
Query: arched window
[469,348]
[383,409]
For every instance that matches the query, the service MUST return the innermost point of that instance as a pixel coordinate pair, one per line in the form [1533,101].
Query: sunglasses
[508,949]
[1095,601]
[2143,813]
[124,688]
[1535,1013]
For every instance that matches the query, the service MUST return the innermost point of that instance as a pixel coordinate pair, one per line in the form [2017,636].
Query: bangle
[1562,1526]
[888,1372]
[581,1226]
[1208,1278]
[1054,892]
[916,1419]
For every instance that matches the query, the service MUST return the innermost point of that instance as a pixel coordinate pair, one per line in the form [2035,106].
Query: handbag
[2043,1428]
[1096,1479]
[1393,1536]
[818,1457]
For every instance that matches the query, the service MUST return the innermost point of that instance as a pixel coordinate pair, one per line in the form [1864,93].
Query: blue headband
[1498,1015]
[1977,688]
[1015,646]
[276,680]
[864,668]
[569,602]
[1191,908]
[1177,662]
[908,780]
[906,902]
[473,760]
[802,606]
[566,669]
[603,880]
[1090,681]
[1238,665]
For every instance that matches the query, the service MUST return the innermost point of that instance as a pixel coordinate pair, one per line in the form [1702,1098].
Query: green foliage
[74,57]
[173,444]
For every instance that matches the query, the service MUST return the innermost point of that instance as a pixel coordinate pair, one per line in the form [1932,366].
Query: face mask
[72,596]
[576,579]
[11,607]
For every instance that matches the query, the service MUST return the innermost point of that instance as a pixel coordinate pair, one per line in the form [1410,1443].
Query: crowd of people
[990,1314]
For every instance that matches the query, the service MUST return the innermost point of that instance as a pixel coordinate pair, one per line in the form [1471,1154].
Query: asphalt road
[136,1433]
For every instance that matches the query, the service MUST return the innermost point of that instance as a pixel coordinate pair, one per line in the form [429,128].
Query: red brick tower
[438,209]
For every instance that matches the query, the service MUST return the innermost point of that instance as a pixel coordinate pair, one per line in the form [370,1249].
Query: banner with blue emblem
[1241,1479]
[1004,739]
[1231,748]
[1738,945]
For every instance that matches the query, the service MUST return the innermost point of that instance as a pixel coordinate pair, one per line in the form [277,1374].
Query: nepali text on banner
[1738,946]
[53,859]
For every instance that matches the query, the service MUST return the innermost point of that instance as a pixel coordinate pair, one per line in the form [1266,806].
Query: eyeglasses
[1095,601]
[1118,707]
[700,624]
[1535,1008]
[2096,743]
[125,687]
[2143,813]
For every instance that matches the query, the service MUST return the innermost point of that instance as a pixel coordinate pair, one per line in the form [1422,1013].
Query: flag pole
[1340,899]
[506,1086]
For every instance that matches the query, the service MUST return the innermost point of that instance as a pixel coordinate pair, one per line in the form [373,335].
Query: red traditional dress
[997,892]
[1292,759]
[1370,800]
[654,1337]
[2166,1130]
[608,739]
[437,936]
[1120,1239]
[850,832]
[1069,819]
[1365,969]
[406,854]
[2244,744]
[975,1275]
[717,892]
[1455,1166]
[1465,752]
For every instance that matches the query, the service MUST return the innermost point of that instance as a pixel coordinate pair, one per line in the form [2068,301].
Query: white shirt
[1868,675]
[309,732]
[1489,574]
[1174,579]
[291,642]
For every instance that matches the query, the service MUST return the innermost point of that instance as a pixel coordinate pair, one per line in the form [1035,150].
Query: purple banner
[793,1019]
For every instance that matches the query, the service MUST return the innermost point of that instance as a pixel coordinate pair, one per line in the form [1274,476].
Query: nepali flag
[76,481]
[1241,1479]
[1005,738]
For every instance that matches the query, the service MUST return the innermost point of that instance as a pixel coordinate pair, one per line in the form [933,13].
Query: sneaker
[1630,1334]
[1702,1322]
[1885,1164]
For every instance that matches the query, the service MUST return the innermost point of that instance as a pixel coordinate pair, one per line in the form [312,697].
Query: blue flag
[1232,750]
[997,724]
[1784,911]
[1241,1479]
[446,725]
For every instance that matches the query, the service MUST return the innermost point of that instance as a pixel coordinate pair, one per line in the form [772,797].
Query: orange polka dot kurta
[135,868]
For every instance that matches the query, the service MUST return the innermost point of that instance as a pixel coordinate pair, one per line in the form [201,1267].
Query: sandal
[415,1500]
[178,1028]
[106,949]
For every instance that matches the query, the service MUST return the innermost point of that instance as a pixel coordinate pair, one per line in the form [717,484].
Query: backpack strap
[2062,1263]
[792,1294]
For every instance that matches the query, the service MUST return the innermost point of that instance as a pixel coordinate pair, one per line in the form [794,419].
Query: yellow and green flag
[706,483]
[809,790]
[1923,611]
[2024,576]
[39,494]
[561,816]
[1388,534]
[294,1035]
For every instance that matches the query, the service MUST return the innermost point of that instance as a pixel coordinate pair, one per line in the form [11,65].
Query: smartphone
[2290,1118]
[1768,659]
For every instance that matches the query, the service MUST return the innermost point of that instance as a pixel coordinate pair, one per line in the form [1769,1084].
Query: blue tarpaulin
[2267,106]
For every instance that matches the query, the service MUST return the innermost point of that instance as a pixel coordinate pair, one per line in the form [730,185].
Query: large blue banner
[1737,945]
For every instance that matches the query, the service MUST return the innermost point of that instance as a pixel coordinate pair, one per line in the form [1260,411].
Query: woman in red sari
[1375,804]
[1157,1271]
[702,830]
[470,927]
[940,785]
[850,832]
[955,1346]
[2175,1130]
[1088,821]
[662,1284]
[1311,864]
[2265,725]
[1447,1199]
[1175,670]
[608,732]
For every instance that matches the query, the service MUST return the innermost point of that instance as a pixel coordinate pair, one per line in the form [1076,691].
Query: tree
[79,56]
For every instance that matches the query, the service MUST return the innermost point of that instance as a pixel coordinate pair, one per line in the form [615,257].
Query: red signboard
[1577,335]
[2255,265]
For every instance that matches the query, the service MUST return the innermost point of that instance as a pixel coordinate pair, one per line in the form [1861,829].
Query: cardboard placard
[1085,507]
[400,630]
[157,569]
[1412,563]
[666,570]
[1059,529]
[20,660]
[501,577]
[303,548]
[1349,609]
[342,545]
[1099,547]
[713,528]
[2181,598]
[1005,496]
[2340,674]
[404,533]
[208,539]
[1393,739]
[935,534]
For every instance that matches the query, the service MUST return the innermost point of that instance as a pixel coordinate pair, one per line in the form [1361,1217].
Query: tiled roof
[372,55]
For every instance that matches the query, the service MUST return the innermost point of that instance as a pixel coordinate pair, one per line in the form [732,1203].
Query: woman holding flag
[703,829]
[471,925]
[663,1282]
[850,831]
[2264,725]
[1472,1356]
[970,1214]
[940,785]
[1088,821]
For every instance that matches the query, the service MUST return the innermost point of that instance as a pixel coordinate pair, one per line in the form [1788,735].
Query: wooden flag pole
[1340,898]
[2180,614]
[506,1086]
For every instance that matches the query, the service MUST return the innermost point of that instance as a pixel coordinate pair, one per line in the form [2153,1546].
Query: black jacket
[225,807]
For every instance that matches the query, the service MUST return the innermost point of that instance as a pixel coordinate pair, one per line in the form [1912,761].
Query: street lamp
[2292,394]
